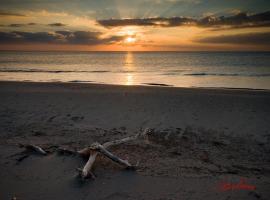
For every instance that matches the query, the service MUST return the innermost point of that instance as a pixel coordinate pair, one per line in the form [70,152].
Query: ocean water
[178,69]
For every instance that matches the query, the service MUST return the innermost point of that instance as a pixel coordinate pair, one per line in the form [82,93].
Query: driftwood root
[96,148]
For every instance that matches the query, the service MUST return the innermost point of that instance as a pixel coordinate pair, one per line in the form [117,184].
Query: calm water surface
[180,69]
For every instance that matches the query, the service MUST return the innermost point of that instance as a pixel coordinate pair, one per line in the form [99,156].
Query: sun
[130,40]
[131,35]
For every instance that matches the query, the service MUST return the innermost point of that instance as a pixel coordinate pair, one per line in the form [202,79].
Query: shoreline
[150,85]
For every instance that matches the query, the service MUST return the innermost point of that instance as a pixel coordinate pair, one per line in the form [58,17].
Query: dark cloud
[58,37]
[158,21]
[7,14]
[8,37]
[64,33]
[86,37]
[25,37]
[81,37]
[16,25]
[247,38]
[113,39]
[19,25]
[33,24]
[238,20]
[57,24]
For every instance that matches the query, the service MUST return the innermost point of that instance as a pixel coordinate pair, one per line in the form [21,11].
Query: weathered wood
[100,148]
[120,141]
[85,152]
[93,151]
[86,171]
[97,148]
[144,135]
[34,148]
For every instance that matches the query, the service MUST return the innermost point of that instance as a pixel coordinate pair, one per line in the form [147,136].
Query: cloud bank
[158,21]
[11,14]
[57,24]
[241,19]
[58,37]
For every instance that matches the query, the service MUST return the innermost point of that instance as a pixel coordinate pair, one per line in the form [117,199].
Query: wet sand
[200,139]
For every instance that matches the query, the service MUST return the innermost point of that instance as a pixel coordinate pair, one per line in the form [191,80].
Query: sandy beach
[201,139]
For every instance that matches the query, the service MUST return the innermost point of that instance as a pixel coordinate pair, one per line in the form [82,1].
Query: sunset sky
[138,25]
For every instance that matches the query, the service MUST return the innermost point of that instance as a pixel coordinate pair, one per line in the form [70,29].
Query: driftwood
[29,148]
[86,171]
[93,151]
[97,148]
[101,149]
[34,148]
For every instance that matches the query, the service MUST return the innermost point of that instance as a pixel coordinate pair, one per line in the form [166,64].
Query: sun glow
[130,34]
[130,40]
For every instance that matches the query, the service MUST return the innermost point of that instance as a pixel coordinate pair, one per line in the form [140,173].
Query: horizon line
[138,51]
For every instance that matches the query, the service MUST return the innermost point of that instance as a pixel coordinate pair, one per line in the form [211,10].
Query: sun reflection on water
[129,79]
[129,66]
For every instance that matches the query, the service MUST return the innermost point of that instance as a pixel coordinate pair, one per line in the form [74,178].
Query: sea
[176,69]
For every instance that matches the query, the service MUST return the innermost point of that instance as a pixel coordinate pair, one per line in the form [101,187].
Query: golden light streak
[129,66]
